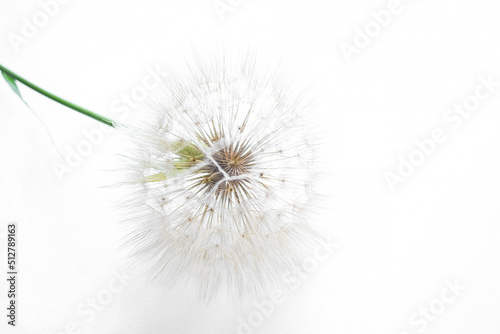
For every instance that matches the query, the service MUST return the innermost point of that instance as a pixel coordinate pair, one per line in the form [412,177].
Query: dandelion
[222,173]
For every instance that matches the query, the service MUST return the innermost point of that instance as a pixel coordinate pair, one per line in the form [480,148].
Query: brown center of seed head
[234,160]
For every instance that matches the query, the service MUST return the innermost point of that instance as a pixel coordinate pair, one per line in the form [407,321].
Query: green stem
[68,104]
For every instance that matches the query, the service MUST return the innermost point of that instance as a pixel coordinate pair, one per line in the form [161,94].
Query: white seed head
[221,178]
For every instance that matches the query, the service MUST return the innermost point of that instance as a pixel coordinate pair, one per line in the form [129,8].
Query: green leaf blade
[12,83]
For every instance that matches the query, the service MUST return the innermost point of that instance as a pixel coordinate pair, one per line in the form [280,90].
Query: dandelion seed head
[221,177]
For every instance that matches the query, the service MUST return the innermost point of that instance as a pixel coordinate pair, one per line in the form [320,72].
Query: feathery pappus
[221,177]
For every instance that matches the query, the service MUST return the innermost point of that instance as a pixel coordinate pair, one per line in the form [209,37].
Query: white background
[397,248]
